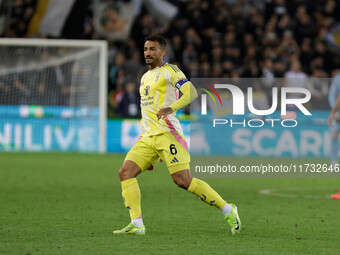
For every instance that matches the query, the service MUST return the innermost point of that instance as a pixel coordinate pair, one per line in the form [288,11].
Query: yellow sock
[131,195]
[206,193]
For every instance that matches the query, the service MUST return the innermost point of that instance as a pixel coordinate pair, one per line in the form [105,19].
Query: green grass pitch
[67,203]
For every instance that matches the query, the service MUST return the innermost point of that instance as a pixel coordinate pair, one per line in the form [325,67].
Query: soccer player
[162,138]
[334,121]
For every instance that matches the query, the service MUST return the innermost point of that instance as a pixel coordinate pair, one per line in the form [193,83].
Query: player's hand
[330,119]
[164,112]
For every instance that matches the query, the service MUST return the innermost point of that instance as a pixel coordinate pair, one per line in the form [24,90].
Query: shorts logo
[174,160]
[146,90]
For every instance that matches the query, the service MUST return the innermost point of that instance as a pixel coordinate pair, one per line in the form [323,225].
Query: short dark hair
[160,39]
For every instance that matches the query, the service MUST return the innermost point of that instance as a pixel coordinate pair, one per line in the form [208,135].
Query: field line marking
[280,192]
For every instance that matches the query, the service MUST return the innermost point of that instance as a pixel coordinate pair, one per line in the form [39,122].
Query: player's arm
[178,80]
[189,94]
[333,111]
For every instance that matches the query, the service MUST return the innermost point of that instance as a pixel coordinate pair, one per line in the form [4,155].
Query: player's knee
[182,182]
[129,170]
[124,173]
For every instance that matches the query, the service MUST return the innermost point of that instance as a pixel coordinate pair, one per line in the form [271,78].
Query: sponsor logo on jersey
[146,90]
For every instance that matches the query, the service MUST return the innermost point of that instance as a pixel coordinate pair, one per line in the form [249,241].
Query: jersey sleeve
[189,94]
[178,78]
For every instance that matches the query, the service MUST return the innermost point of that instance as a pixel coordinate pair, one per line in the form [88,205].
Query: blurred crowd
[22,12]
[222,38]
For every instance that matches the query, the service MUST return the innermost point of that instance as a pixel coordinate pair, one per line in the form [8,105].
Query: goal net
[53,95]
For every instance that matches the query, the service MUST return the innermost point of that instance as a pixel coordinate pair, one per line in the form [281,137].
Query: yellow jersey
[159,89]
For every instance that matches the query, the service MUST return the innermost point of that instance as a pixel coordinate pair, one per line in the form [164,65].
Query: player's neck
[151,67]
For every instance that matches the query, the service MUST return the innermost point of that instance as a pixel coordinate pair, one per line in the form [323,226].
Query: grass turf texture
[65,203]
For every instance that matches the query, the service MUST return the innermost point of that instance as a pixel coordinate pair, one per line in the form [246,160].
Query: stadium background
[229,39]
[220,38]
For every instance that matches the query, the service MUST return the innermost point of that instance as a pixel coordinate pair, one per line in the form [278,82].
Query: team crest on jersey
[146,90]
[157,76]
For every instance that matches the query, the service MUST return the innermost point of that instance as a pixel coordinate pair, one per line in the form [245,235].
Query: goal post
[53,95]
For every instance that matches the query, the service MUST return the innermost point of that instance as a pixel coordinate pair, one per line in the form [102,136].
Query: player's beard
[153,61]
[149,61]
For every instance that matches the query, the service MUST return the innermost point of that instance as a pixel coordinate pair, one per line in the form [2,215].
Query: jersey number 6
[173,149]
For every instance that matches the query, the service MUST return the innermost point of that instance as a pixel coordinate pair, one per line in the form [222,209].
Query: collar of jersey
[161,64]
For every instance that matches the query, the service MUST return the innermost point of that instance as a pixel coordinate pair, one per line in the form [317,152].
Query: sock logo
[212,203]
[174,160]
[204,197]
